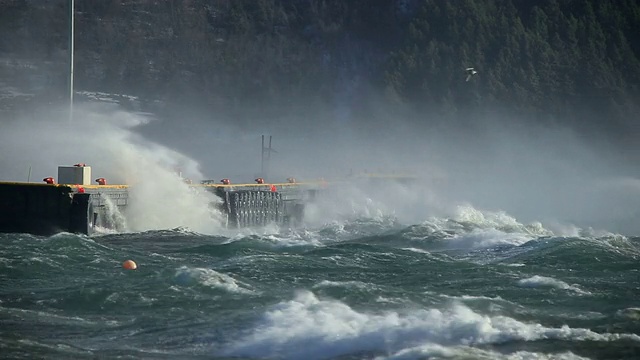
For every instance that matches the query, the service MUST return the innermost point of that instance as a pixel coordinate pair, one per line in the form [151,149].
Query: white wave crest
[499,220]
[207,277]
[632,313]
[543,281]
[345,284]
[309,328]
[470,228]
[464,352]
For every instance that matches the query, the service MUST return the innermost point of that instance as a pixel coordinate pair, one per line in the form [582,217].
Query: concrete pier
[35,208]
[248,205]
[46,209]
[80,207]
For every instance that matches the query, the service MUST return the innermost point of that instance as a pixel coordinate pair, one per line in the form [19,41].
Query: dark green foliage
[566,59]
[531,55]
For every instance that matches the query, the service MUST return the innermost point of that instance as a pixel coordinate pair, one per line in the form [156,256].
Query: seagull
[470,72]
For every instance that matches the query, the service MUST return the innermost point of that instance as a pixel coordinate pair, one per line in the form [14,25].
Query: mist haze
[338,99]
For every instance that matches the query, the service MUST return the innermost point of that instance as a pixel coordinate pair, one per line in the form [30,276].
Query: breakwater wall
[46,209]
[247,205]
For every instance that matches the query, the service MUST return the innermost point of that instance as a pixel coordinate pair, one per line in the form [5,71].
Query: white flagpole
[71,50]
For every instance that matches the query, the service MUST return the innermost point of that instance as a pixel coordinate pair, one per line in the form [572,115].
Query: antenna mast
[266,156]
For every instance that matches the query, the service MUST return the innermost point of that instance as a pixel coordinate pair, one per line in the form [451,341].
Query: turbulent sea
[479,286]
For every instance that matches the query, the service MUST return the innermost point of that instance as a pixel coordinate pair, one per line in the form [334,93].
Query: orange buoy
[259,181]
[101,181]
[129,265]
[225,181]
[49,180]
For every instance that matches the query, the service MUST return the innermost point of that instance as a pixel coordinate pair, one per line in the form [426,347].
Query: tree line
[576,61]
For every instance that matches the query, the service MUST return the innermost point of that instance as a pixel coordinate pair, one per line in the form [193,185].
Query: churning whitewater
[477,285]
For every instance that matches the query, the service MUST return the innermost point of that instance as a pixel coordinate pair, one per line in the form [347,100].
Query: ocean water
[473,286]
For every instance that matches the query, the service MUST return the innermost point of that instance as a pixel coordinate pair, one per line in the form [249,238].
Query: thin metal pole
[71,51]
[266,167]
[262,159]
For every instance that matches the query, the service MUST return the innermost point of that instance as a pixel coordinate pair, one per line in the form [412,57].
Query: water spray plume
[107,141]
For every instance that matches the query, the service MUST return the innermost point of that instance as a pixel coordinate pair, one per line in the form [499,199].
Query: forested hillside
[551,60]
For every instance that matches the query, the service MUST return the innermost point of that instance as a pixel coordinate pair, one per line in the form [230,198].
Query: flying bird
[470,72]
